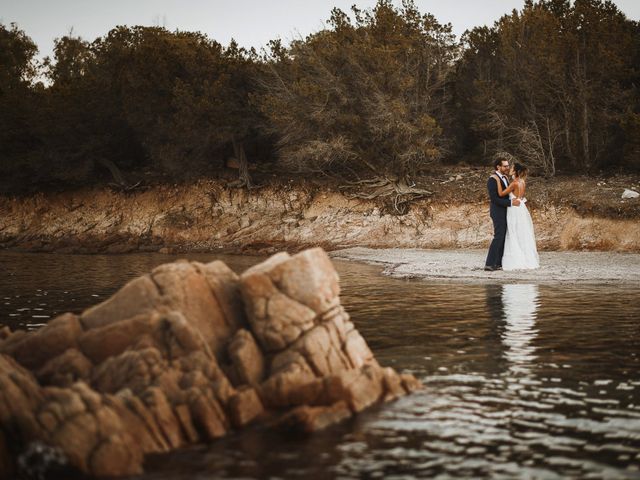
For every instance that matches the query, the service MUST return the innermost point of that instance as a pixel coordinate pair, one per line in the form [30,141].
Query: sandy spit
[468,265]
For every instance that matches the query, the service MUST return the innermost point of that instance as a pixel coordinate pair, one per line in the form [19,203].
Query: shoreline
[559,267]
[458,265]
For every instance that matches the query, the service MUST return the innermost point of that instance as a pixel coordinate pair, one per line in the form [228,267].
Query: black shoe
[490,268]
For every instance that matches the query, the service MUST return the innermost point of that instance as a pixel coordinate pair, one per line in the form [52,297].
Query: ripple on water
[521,381]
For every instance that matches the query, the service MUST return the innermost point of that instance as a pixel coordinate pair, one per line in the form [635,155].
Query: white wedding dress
[520,250]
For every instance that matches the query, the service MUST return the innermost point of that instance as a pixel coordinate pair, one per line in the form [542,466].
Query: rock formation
[185,355]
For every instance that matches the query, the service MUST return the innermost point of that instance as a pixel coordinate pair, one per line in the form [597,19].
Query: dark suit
[498,212]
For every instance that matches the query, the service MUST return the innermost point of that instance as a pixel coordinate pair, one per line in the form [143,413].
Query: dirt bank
[208,216]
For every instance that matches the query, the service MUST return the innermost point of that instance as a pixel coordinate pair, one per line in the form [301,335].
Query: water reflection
[512,310]
[520,303]
[520,381]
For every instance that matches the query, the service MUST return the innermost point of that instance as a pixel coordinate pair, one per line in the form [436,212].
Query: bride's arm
[503,192]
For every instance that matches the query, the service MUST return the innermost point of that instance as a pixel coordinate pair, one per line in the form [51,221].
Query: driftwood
[396,193]
[119,182]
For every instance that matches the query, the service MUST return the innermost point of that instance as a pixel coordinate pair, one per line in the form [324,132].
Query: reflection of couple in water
[516,305]
[514,243]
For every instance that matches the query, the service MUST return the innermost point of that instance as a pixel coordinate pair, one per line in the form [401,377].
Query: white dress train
[520,250]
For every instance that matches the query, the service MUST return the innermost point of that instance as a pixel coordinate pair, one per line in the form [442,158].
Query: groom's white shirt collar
[503,177]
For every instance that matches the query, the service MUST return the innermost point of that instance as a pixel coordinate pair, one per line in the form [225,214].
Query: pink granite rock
[185,355]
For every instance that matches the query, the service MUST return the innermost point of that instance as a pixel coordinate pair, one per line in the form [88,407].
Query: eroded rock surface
[184,355]
[569,213]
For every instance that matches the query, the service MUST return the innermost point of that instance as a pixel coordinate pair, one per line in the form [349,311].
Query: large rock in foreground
[185,355]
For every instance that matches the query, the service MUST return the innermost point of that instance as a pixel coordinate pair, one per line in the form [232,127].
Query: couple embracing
[514,243]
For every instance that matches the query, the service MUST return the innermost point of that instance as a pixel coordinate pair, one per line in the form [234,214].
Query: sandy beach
[467,265]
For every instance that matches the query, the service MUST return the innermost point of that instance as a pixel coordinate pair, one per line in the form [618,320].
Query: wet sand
[468,265]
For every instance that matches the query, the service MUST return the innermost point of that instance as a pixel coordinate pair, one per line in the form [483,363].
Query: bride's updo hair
[520,170]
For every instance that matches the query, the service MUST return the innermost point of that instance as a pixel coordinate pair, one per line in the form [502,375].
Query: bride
[520,250]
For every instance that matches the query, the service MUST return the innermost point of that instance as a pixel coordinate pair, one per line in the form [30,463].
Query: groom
[498,212]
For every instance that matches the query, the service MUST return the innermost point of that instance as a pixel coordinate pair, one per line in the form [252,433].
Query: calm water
[522,381]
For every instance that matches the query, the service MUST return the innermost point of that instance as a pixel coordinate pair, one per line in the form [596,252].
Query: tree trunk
[551,163]
[584,127]
[583,114]
[114,170]
[244,179]
[567,136]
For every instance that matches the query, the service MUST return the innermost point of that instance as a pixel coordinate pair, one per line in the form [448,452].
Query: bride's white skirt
[520,250]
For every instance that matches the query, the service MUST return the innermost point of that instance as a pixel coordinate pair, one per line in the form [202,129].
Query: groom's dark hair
[498,161]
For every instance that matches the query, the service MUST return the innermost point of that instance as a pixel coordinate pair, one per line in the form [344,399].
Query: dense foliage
[555,84]
[376,98]
[368,95]
[138,100]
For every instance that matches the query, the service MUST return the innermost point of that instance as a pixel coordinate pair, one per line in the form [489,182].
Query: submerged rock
[185,355]
[40,462]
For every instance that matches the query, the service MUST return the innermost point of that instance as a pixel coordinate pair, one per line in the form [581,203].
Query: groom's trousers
[496,249]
